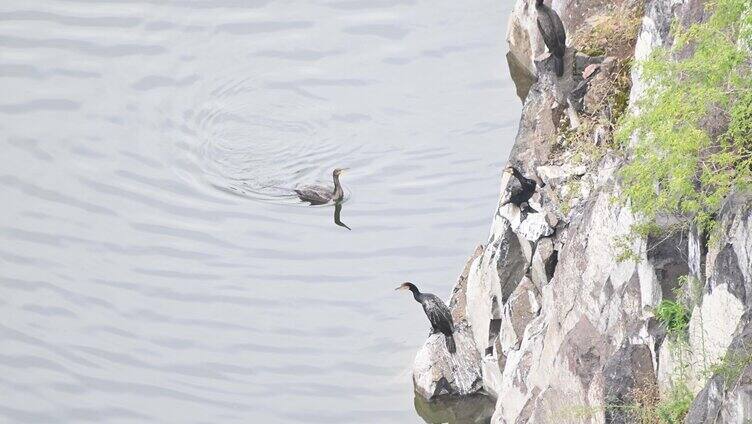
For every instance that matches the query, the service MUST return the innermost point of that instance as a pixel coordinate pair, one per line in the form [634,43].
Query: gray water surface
[153,265]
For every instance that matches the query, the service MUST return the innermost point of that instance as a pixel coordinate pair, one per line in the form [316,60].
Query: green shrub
[679,166]
[731,366]
[674,316]
[674,406]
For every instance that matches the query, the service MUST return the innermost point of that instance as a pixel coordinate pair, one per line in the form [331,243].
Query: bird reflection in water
[337,212]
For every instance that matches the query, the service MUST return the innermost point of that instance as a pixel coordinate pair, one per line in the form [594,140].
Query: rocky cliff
[555,321]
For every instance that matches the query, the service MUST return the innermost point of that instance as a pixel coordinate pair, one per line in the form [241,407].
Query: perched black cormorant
[553,34]
[319,195]
[522,192]
[437,312]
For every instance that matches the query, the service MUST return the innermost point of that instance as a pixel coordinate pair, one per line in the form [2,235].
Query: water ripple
[75,21]
[82,46]
[246,28]
[40,105]
[388,31]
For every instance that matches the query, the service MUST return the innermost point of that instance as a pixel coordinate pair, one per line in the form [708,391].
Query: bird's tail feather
[559,65]
[451,347]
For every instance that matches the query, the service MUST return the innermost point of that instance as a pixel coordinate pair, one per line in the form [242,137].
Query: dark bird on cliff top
[522,191]
[320,195]
[554,36]
[437,312]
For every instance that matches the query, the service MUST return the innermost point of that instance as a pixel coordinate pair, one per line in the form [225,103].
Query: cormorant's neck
[338,193]
[416,293]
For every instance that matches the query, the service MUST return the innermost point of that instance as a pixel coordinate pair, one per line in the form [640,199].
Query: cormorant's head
[407,286]
[339,171]
[511,170]
[539,2]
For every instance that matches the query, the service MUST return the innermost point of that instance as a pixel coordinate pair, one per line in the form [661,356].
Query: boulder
[556,175]
[727,396]
[492,279]
[531,226]
[628,377]
[436,372]
[544,262]
[474,409]
[523,305]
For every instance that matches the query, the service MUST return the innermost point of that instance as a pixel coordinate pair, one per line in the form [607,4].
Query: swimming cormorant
[522,192]
[319,195]
[437,312]
[553,33]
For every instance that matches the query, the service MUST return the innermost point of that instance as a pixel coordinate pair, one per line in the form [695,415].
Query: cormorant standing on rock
[319,195]
[553,34]
[522,192]
[437,312]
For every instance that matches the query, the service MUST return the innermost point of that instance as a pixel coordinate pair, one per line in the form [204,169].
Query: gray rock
[522,77]
[587,309]
[544,262]
[492,279]
[727,396]
[436,372]
[583,61]
[475,409]
[534,226]
[729,262]
[737,407]
[627,372]
[458,298]
[511,261]
[555,175]
[697,250]
[667,255]
[523,305]
[601,135]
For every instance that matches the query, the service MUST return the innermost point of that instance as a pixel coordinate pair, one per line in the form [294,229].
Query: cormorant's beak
[342,171]
[402,287]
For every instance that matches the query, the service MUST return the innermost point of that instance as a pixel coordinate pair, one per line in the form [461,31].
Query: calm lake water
[154,267]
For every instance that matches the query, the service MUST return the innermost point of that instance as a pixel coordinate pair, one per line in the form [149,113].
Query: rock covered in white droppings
[534,226]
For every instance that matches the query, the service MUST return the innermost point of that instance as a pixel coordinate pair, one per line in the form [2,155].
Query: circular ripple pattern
[257,154]
[135,289]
